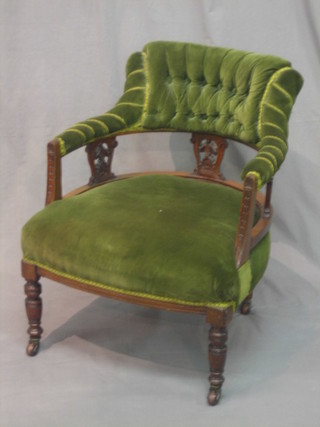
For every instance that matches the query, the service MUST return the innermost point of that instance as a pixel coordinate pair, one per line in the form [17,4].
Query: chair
[188,242]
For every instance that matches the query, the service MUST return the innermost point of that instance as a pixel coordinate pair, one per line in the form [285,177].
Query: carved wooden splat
[208,151]
[100,154]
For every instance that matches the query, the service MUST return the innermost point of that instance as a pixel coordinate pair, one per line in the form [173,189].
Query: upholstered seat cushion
[160,236]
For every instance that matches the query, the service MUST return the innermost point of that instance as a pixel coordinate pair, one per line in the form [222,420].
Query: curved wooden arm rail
[205,239]
[248,235]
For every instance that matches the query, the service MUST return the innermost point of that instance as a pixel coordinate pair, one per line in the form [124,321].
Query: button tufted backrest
[200,89]
[240,95]
[186,87]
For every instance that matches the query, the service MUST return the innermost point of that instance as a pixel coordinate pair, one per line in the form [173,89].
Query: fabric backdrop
[107,363]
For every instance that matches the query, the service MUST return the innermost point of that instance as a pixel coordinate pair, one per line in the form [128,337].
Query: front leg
[33,307]
[217,359]
[218,335]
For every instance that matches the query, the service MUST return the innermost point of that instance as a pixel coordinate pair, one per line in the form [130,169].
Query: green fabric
[122,117]
[193,88]
[240,95]
[275,109]
[160,235]
[245,280]
[204,89]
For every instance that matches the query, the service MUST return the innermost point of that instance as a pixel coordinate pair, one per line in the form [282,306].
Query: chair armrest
[272,126]
[271,153]
[100,171]
[124,117]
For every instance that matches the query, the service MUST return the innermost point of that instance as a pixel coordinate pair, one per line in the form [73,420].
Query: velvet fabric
[125,115]
[162,236]
[193,88]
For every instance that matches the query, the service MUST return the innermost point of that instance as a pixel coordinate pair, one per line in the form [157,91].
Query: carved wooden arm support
[247,210]
[100,155]
[54,189]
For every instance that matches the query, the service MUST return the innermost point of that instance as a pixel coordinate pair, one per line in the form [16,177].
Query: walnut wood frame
[247,237]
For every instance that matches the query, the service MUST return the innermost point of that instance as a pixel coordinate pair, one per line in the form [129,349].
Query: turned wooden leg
[34,308]
[217,352]
[245,306]
[217,358]
[34,311]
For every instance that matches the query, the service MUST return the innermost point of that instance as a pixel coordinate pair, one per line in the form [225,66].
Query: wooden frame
[248,236]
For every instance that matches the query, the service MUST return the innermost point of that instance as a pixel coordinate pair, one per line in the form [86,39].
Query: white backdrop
[106,363]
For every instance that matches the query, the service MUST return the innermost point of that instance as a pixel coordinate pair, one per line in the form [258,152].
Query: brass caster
[213,397]
[33,348]
[245,308]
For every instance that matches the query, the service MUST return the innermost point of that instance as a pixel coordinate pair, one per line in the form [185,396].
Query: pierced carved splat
[100,156]
[209,151]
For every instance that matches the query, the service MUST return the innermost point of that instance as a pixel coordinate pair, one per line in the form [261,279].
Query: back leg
[245,306]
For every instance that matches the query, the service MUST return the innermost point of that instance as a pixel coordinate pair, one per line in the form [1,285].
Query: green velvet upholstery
[169,240]
[193,88]
[163,236]
[159,236]
[124,116]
